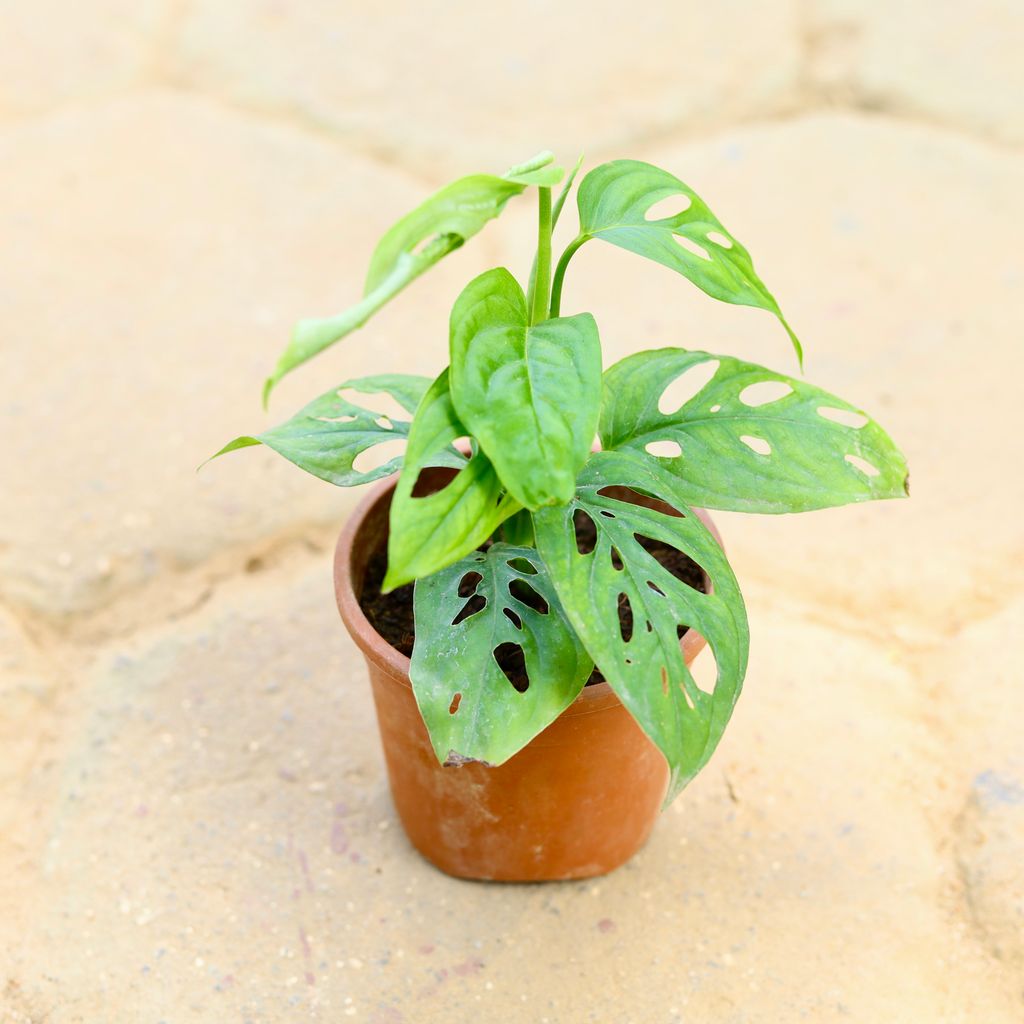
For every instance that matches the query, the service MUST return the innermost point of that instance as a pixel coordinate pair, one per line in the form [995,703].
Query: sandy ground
[194,822]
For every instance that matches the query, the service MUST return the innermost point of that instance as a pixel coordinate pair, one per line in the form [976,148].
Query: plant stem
[556,286]
[542,281]
[518,529]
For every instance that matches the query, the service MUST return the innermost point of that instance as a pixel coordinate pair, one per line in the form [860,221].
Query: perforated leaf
[614,201]
[411,246]
[749,440]
[646,668]
[429,532]
[490,604]
[327,435]
[530,395]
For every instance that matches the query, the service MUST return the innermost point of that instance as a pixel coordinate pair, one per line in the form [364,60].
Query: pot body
[579,800]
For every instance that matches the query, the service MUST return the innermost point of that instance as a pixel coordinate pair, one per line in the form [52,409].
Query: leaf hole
[625,618]
[686,695]
[384,423]
[764,391]
[526,595]
[676,563]
[383,404]
[454,706]
[862,464]
[467,589]
[634,497]
[432,480]
[616,560]
[586,532]
[669,207]
[522,565]
[686,386]
[664,449]
[512,661]
[473,606]
[715,408]
[469,583]
[692,247]
[335,419]
[847,417]
[378,455]
[719,239]
[607,513]
[513,618]
[756,444]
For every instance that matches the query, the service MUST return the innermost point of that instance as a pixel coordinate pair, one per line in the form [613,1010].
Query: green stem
[542,280]
[518,529]
[556,286]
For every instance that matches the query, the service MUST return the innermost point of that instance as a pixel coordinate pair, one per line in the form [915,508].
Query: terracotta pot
[579,800]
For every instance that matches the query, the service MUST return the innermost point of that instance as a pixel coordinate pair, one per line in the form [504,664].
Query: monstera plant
[540,443]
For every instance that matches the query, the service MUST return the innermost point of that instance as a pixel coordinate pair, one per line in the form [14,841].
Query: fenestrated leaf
[429,532]
[614,200]
[327,435]
[410,247]
[530,395]
[492,600]
[792,448]
[647,671]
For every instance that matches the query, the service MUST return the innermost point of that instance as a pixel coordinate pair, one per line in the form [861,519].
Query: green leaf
[431,531]
[464,614]
[804,449]
[326,436]
[564,193]
[540,170]
[530,395]
[647,671]
[614,200]
[413,245]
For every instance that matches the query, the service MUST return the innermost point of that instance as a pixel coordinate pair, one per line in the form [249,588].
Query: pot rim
[393,662]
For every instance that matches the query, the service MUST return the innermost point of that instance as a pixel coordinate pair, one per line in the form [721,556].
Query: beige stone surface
[194,820]
[480,87]
[955,63]
[157,252]
[222,846]
[56,52]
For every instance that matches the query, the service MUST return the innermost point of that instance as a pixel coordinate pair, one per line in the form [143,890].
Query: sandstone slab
[157,251]
[466,88]
[223,846]
[53,52]
[954,63]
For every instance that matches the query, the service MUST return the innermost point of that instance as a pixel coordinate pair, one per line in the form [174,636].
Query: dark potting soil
[391,615]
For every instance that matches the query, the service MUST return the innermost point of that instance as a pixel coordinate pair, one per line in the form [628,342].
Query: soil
[391,615]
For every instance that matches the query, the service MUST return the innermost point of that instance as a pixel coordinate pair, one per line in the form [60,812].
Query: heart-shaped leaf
[430,531]
[498,603]
[530,395]
[411,246]
[645,664]
[615,200]
[749,440]
[326,436]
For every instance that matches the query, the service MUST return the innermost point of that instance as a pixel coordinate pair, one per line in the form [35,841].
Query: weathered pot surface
[579,800]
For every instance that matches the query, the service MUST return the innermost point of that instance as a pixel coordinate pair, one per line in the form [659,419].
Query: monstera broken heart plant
[546,515]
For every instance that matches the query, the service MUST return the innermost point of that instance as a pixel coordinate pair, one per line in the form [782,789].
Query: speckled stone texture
[194,821]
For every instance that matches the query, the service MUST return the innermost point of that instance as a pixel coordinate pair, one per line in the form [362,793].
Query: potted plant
[529,600]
